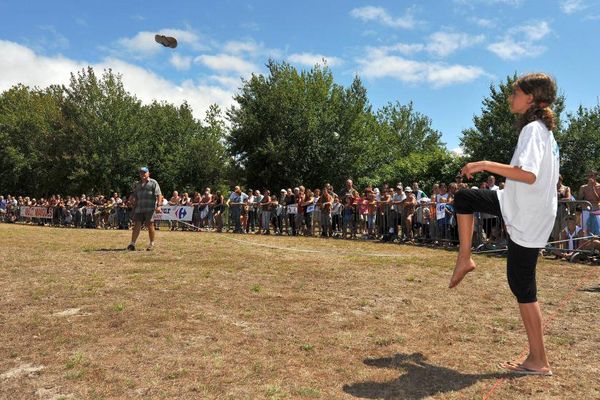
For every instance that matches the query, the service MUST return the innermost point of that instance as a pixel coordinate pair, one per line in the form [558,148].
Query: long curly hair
[543,89]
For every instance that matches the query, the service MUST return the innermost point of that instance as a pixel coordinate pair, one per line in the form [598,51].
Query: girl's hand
[472,168]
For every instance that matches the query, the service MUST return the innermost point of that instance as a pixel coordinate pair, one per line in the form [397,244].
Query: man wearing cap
[146,198]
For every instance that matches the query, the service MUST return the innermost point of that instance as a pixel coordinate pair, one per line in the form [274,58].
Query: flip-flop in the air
[519,369]
[166,41]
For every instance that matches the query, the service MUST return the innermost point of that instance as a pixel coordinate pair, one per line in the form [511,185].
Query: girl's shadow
[420,379]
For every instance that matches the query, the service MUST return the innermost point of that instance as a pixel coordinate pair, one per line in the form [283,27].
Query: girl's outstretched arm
[508,171]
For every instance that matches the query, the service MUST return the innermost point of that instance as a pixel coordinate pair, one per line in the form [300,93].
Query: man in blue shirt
[236,201]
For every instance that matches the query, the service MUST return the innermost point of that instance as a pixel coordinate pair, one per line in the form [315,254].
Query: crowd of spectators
[401,212]
[391,213]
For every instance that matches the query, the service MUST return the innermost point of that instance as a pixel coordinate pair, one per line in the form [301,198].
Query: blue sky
[440,54]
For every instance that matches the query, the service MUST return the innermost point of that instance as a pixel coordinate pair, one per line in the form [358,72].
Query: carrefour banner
[174,213]
[36,212]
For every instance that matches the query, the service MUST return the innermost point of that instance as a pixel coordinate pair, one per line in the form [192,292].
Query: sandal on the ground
[519,369]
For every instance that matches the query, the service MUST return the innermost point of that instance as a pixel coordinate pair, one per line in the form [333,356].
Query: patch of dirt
[23,370]
[69,312]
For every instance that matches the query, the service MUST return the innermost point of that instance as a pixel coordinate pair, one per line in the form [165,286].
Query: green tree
[289,126]
[29,119]
[92,135]
[578,145]
[102,123]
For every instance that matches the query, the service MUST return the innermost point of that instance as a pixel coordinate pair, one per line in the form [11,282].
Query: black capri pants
[521,261]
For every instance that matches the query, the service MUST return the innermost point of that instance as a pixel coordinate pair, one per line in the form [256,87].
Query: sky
[442,55]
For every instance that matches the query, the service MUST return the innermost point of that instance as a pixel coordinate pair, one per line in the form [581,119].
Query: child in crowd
[349,225]
[371,202]
[336,215]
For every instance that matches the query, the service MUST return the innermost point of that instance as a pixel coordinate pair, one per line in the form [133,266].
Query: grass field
[209,316]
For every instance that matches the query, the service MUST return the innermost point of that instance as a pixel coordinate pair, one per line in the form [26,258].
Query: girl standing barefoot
[527,204]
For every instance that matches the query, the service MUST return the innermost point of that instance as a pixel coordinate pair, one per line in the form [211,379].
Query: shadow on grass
[120,249]
[420,379]
[591,289]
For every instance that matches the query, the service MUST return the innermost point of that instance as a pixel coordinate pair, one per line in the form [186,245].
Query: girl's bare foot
[463,267]
[527,368]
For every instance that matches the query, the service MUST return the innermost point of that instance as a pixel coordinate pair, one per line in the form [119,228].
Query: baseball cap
[408,189]
[144,169]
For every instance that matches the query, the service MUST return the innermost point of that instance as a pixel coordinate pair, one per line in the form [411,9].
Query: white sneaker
[150,247]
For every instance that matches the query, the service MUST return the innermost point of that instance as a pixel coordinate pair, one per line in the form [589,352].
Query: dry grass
[206,317]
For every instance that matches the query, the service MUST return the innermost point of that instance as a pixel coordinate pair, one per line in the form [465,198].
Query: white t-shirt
[529,210]
[398,198]
[439,197]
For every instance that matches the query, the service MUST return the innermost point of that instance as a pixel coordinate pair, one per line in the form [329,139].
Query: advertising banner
[36,212]
[174,213]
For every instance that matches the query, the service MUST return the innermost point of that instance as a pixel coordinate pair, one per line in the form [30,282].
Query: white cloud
[434,73]
[379,14]
[521,41]
[402,48]
[310,59]
[181,63]
[534,31]
[229,82]
[227,62]
[572,6]
[20,64]
[514,3]
[143,44]
[237,47]
[483,22]
[440,44]
[458,151]
[250,48]
[443,44]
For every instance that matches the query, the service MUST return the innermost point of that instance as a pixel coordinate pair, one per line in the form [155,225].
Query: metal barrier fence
[426,223]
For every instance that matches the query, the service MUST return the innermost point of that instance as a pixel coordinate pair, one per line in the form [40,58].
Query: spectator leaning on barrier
[560,187]
[591,190]
[251,225]
[266,207]
[147,199]
[218,210]
[349,190]
[419,194]
[308,206]
[491,182]
[300,214]
[397,199]
[324,204]
[236,201]
[175,199]
[410,204]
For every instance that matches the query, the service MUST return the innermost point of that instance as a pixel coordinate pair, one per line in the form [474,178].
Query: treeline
[288,127]
[92,135]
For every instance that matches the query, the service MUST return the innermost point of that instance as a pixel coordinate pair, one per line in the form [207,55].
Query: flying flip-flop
[166,41]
